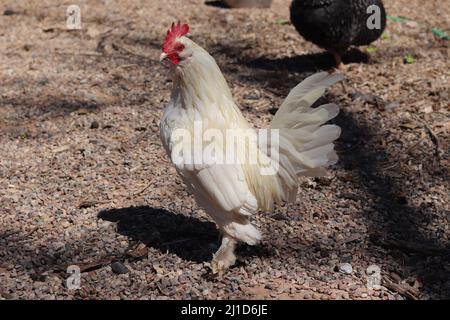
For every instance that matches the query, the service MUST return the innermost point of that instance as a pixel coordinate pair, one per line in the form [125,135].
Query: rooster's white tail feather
[306,142]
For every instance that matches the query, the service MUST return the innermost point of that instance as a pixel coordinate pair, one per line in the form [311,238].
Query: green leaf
[408,59]
[283,21]
[371,50]
[385,36]
[398,19]
[436,31]
[440,33]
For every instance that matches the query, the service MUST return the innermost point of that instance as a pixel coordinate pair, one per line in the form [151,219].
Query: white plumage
[231,192]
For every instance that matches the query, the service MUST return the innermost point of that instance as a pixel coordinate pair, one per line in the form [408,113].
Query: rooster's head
[175,48]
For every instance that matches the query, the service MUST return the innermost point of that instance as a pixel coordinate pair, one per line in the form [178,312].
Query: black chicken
[335,25]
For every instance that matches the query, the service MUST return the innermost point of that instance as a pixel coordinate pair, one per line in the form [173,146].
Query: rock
[390,106]
[58,245]
[360,292]
[43,81]
[358,95]
[316,296]
[345,295]
[38,277]
[119,268]
[325,181]
[95,125]
[165,282]
[345,268]
[343,286]
[251,97]
[367,98]
[9,12]
[65,224]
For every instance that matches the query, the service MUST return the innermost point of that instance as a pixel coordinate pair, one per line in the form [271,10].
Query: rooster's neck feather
[200,86]
[200,75]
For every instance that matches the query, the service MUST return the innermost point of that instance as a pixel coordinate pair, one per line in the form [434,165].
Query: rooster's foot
[224,257]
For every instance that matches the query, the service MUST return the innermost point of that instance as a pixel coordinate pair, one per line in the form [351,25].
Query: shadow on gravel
[393,222]
[267,72]
[308,62]
[217,4]
[46,107]
[187,237]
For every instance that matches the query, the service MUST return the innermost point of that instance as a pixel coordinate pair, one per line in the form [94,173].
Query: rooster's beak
[162,57]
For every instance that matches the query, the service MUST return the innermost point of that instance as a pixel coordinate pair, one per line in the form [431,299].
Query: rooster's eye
[179,47]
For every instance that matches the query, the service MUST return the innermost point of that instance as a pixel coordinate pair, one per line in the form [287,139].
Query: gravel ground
[84,179]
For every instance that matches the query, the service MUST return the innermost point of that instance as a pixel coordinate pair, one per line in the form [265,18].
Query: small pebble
[345,268]
[391,105]
[95,125]
[119,268]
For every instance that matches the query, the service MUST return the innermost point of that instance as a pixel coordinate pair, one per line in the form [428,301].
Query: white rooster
[231,192]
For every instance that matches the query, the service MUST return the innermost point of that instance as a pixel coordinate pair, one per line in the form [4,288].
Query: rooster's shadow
[189,238]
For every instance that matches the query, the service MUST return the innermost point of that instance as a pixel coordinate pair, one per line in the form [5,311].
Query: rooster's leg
[224,257]
[337,59]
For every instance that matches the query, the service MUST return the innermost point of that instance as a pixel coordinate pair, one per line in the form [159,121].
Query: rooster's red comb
[175,31]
